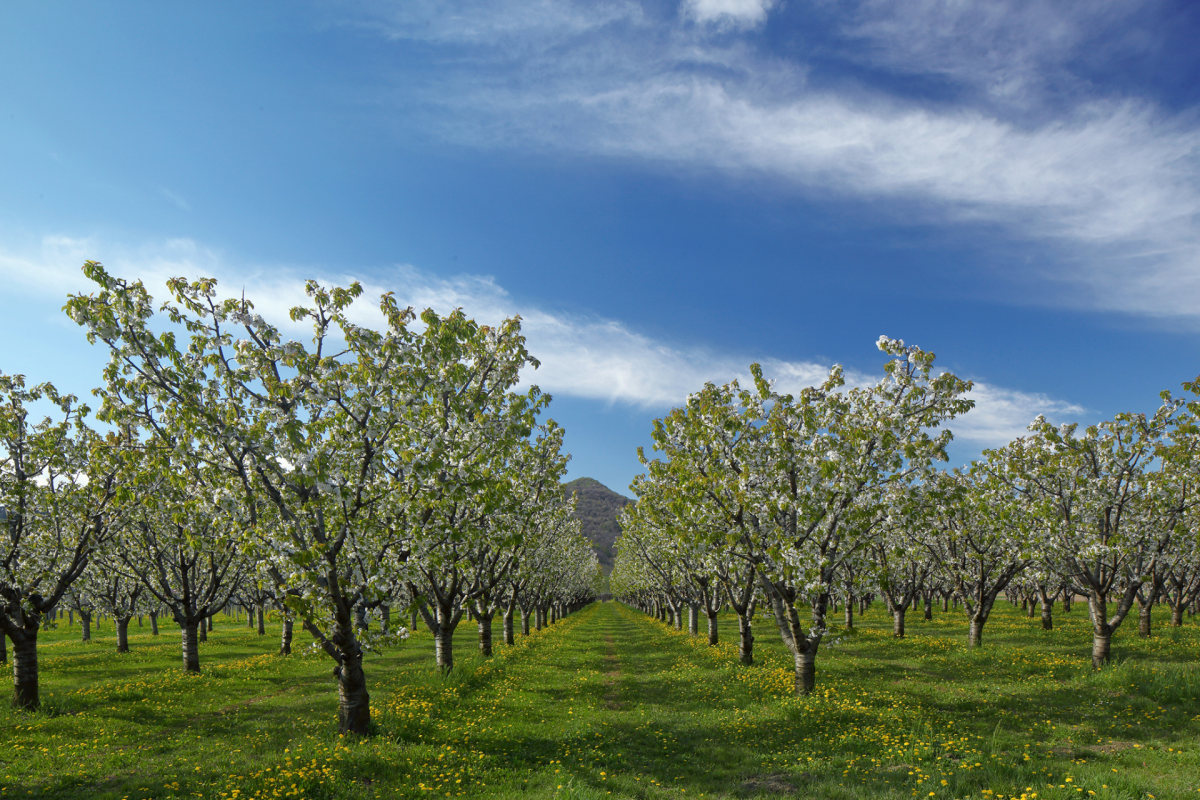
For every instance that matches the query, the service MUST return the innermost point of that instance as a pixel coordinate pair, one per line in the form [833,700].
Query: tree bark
[1101,646]
[191,649]
[262,627]
[485,632]
[898,620]
[712,629]
[850,613]
[285,640]
[354,704]
[385,618]
[25,671]
[85,622]
[3,647]
[928,606]
[1144,610]
[746,639]
[975,632]
[525,621]
[443,648]
[509,632]
[123,634]
[806,672]
[154,623]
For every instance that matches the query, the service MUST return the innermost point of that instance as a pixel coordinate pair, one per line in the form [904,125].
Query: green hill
[597,510]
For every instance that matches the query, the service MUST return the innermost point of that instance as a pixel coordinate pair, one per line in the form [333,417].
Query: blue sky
[665,191]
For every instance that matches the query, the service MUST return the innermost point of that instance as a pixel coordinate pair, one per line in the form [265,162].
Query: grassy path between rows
[609,703]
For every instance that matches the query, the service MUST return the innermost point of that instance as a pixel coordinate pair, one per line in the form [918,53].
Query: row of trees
[394,465]
[800,502]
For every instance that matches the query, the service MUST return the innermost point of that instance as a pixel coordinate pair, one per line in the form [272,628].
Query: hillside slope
[597,510]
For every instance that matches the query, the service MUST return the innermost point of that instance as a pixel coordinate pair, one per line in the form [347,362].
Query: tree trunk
[485,633]
[1177,615]
[509,634]
[975,632]
[443,648]
[25,671]
[694,619]
[712,629]
[1144,610]
[746,643]
[850,613]
[154,623]
[525,621]
[202,631]
[385,618]
[85,621]
[123,634]
[806,672]
[1047,614]
[928,607]
[262,627]
[354,704]
[1101,646]
[191,650]
[898,620]
[285,640]
[3,647]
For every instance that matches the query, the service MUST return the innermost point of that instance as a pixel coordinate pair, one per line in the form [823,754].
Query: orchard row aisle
[609,702]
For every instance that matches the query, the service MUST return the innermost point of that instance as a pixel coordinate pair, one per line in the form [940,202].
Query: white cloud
[1014,50]
[581,356]
[1000,415]
[1109,185]
[732,13]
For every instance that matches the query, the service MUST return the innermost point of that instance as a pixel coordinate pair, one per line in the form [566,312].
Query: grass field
[609,703]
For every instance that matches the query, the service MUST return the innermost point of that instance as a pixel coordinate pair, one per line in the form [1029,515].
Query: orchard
[250,533]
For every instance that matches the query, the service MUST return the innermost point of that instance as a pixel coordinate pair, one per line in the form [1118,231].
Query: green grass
[609,703]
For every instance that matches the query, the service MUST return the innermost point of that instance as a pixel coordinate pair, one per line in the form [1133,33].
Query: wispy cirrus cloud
[1108,184]
[177,199]
[1011,51]
[727,13]
[581,356]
